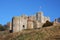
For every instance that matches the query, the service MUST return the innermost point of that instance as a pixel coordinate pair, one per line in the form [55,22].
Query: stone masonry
[23,22]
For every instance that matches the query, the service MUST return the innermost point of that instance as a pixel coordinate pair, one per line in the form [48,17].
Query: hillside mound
[45,33]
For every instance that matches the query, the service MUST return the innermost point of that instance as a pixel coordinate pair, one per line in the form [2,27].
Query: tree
[2,28]
[47,24]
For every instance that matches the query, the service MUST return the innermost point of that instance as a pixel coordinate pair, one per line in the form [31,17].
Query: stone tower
[15,24]
[19,23]
[30,23]
[39,16]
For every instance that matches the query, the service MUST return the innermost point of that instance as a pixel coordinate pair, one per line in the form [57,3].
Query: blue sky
[10,8]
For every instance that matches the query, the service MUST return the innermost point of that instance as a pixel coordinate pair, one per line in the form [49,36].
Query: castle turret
[15,24]
[39,16]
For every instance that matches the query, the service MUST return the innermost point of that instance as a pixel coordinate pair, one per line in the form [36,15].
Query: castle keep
[20,23]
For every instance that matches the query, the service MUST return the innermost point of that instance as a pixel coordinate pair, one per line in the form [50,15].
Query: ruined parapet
[33,17]
[30,23]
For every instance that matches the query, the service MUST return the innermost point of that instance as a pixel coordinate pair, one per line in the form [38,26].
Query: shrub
[47,24]
[2,28]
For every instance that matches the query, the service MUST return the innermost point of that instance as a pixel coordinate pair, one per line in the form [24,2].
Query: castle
[20,23]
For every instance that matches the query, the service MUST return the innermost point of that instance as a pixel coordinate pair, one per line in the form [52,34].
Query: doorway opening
[23,26]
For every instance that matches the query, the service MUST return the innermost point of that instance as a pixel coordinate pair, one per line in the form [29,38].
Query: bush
[47,24]
[3,27]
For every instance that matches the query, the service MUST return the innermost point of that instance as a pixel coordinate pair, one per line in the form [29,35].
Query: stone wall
[37,24]
[30,23]
[20,23]
[15,24]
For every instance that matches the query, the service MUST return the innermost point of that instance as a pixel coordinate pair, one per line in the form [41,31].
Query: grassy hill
[45,33]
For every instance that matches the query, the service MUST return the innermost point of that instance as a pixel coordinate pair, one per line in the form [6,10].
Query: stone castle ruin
[57,22]
[20,23]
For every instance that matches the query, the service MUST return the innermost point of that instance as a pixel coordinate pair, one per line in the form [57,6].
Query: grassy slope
[46,33]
